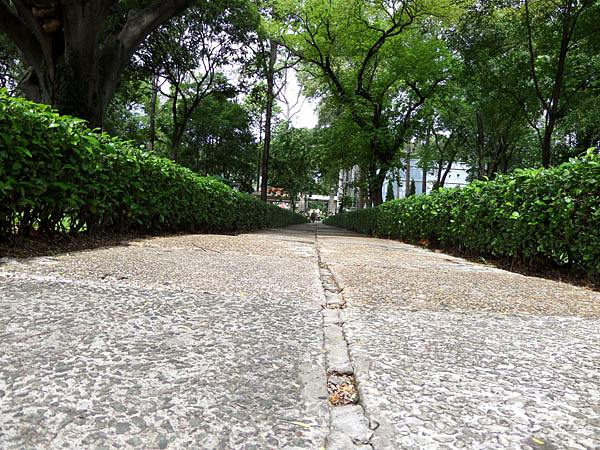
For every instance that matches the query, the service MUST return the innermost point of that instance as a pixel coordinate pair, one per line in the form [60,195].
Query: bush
[58,176]
[532,216]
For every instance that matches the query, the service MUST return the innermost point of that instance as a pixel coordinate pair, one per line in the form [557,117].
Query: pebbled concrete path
[208,341]
[452,354]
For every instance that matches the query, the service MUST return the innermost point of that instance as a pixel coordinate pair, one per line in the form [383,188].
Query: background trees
[376,63]
[500,84]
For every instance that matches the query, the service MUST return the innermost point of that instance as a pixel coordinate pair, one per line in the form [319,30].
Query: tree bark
[74,65]
[480,160]
[407,171]
[446,172]
[153,97]
[268,117]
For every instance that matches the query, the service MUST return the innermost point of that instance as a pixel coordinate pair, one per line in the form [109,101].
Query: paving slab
[165,345]
[217,342]
[452,354]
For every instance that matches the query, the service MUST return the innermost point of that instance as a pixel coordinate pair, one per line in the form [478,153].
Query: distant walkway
[209,341]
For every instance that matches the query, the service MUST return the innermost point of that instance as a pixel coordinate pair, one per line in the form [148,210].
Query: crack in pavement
[349,426]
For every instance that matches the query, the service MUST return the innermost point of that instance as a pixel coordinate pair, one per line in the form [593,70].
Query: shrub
[533,216]
[56,176]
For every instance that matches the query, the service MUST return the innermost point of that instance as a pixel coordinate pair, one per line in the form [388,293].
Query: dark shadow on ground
[43,245]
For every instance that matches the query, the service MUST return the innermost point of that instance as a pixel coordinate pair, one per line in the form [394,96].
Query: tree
[188,51]
[76,51]
[538,55]
[575,25]
[413,188]
[295,160]
[377,61]
[219,141]
[389,194]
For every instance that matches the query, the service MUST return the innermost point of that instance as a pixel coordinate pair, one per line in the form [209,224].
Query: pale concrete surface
[217,342]
[453,354]
[184,342]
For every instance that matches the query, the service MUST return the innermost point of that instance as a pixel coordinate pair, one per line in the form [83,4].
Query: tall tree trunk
[407,171]
[377,187]
[480,161]
[153,97]
[425,164]
[446,172]
[260,151]
[268,117]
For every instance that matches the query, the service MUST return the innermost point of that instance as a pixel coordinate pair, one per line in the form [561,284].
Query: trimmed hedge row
[58,176]
[533,216]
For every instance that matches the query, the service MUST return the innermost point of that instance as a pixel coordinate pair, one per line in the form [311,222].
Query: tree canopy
[498,84]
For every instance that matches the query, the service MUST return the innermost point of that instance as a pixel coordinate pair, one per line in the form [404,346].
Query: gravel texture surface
[208,341]
[452,354]
[165,344]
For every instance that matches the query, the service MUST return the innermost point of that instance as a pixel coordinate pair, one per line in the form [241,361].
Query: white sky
[301,109]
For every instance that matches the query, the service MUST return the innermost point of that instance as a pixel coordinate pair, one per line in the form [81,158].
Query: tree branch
[532,57]
[18,30]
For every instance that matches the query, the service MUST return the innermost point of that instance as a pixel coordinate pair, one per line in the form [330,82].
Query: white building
[457,177]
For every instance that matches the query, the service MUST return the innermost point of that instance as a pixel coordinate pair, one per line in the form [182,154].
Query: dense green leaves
[56,176]
[533,216]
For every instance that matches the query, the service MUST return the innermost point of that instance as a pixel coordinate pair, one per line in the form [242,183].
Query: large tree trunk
[268,118]
[377,187]
[74,64]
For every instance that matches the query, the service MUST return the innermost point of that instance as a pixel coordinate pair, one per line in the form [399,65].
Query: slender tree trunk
[446,172]
[440,168]
[547,141]
[359,195]
[407,171]
[480,161]
[154,95]
[268,118]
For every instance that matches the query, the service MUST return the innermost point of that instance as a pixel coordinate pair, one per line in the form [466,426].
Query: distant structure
[277,196]
[348,178]
[457,177]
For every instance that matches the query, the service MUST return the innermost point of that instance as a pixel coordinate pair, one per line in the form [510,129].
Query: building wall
[457,177]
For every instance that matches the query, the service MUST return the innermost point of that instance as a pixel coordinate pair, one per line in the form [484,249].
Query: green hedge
[533,216]
[58,176]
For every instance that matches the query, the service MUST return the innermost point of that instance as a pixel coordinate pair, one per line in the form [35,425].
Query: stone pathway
[452,354]
[208,341]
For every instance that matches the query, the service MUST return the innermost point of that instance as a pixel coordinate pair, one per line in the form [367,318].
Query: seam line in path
[349,427]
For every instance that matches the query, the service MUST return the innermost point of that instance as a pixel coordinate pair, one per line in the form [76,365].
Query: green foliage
[56,176]
[218,142]
[533,216]
[295,160]
[413,188]
[389,193]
